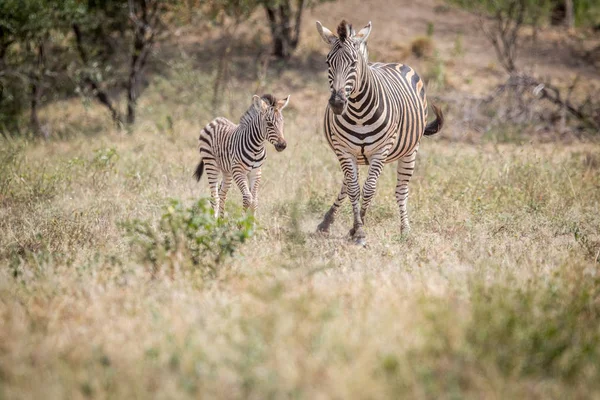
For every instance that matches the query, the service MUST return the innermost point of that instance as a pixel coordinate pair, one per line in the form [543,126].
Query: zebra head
[347,56]
[271,115]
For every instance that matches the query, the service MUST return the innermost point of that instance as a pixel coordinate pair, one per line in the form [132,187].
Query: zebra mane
[252,111]
[342,30]
[269,99]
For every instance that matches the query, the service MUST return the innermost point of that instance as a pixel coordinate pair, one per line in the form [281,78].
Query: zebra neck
[365,83]
[366,93]
[250,135]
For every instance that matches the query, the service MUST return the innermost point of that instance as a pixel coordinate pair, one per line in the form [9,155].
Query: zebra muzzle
[280,146]
[337,102]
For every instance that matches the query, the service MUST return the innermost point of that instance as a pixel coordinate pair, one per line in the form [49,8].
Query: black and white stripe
[237,152]
[377,114]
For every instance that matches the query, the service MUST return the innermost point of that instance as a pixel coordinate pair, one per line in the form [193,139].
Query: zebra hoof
[361,241]
[358,235]
[405,230]
[323,228]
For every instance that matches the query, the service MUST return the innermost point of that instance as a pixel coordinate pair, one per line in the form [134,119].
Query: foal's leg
[240,179]
[212,173]
[254,178]
[224,188]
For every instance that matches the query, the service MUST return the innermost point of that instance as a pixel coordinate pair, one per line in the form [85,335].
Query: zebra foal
[376,114]
[237,152]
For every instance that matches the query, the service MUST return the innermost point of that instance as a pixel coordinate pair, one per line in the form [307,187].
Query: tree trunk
[145,26]
[100,95]
[34,121]
[285,34]
[223,67]
[36,91]
[276,32]
[569,14]
[138,47]
[3,47]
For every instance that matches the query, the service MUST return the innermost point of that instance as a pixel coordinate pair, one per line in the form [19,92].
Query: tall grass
[494,294]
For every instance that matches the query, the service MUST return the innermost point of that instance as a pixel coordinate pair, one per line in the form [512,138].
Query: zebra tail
[199,170]
[436,125]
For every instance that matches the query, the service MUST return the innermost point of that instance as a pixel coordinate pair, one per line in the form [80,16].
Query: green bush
[422,46]
[188,238]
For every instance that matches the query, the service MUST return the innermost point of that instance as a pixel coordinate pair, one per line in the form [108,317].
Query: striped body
[231,147]
[392,113]
[377,114]
[237,152]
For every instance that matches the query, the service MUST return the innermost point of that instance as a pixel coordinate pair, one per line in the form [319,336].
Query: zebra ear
[363,34]
[256,101]
[259,103]
[328,37]
[281,104]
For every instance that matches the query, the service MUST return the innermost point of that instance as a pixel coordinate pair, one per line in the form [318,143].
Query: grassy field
[495,293]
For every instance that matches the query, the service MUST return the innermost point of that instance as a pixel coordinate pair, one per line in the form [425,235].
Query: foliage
[189,238]
[215,10]
[586,12]
[30,30]
[41,41]
[422,46]
[285,20]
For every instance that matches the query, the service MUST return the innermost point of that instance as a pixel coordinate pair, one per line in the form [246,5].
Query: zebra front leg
[350,169]
[212,173]
[223,189]
[241,181]
[330,215]
[406,166]
[376,163]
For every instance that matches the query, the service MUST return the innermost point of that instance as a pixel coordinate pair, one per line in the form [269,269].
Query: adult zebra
[376,114]
[238,151]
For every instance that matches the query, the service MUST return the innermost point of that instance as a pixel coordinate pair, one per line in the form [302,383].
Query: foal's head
[270,110]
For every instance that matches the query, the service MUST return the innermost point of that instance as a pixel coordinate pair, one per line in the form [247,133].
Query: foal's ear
[328,37]
[281,104]
[259,103]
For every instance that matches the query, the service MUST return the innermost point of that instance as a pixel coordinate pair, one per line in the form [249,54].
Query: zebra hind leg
[212,174]
[406,167]
[240,178]
[330,215]
[254,178]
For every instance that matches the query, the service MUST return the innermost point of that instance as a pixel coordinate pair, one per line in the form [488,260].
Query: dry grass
[496,293]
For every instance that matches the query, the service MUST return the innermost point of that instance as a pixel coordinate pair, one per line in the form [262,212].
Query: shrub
[189,238]
[436,73]
[422,46]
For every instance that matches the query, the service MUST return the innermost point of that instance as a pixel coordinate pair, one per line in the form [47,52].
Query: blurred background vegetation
[105,51]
